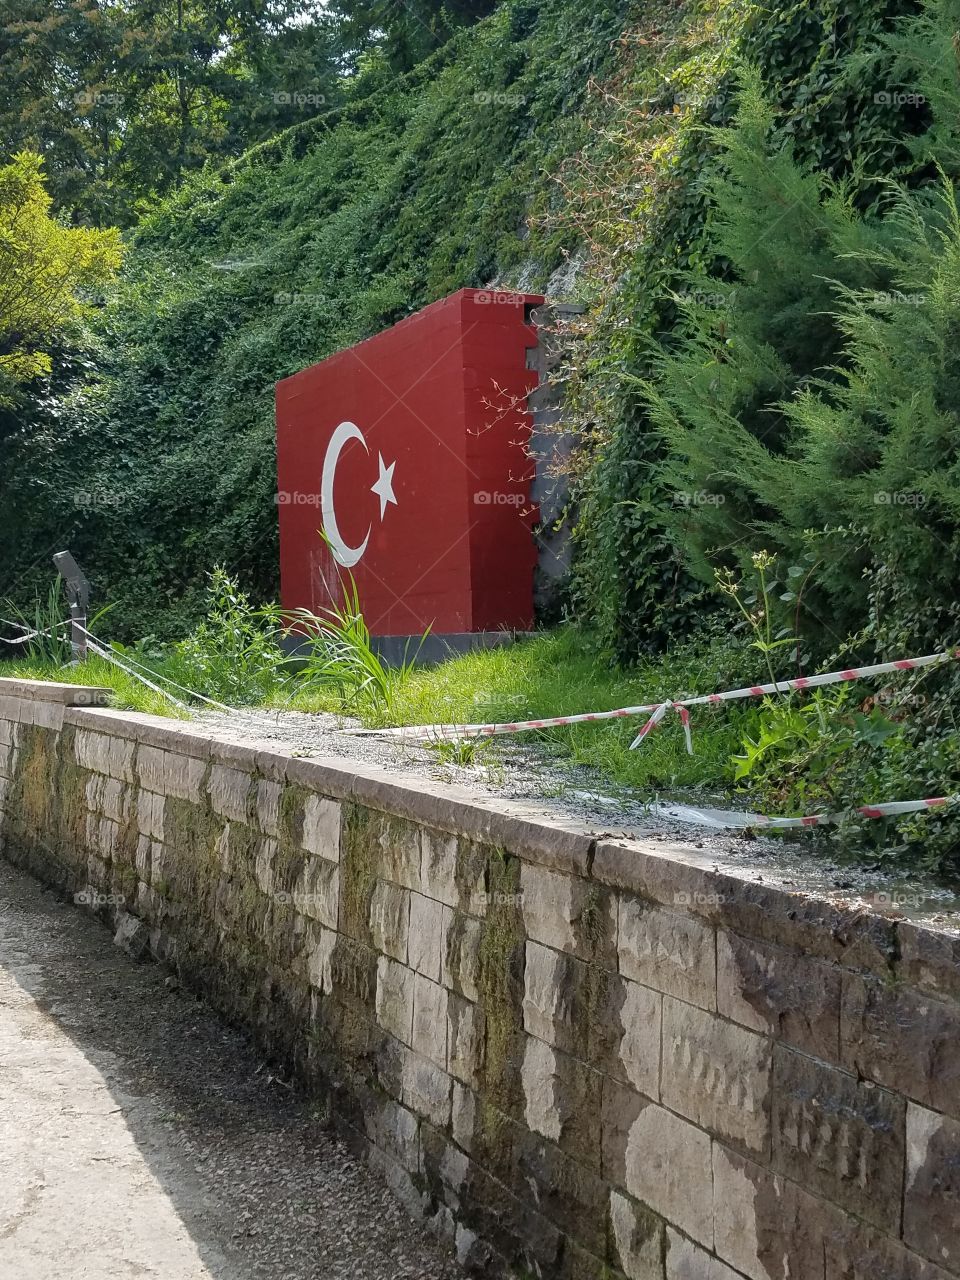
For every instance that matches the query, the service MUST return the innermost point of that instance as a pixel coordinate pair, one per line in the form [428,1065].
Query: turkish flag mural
[408,451]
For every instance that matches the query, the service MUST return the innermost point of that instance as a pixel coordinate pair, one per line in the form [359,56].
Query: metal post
[78,597]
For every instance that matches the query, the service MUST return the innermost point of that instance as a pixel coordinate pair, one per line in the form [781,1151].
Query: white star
[384,486]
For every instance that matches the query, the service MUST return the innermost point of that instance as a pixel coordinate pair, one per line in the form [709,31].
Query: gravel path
[141,1137]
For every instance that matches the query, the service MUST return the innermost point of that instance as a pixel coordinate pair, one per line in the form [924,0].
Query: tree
[122,97]
[408,29]
[44,266]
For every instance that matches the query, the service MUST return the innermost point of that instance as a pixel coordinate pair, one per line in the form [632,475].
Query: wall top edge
[667,872]
[70,695]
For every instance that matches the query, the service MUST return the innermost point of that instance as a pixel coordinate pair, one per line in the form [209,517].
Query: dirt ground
[140,1136]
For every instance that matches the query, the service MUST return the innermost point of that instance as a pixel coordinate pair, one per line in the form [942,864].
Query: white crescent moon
[344,555]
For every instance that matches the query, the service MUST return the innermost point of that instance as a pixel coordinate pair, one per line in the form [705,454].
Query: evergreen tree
[809,400]
[409,30]
[753,332]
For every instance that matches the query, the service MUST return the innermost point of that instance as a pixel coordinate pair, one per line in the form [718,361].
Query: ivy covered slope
[783,363]
[152,455]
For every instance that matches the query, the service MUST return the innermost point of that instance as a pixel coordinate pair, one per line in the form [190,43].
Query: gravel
[140,1135]
[521,769]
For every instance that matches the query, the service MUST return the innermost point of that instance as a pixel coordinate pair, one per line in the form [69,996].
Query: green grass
[561,673]
[551,674]
[128,694]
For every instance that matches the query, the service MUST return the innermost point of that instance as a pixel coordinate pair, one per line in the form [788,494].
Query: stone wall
[582,1058]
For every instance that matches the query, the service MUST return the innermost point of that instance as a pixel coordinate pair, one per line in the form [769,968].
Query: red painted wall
[409,450]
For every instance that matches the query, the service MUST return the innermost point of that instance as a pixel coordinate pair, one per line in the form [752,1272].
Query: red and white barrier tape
[740,821]
[657,710]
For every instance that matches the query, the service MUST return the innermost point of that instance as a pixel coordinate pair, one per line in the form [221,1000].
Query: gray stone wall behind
[580,1058]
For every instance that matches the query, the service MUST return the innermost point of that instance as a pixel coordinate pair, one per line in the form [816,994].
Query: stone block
[229,792]
[499,1217]
[395,998]
[438,867]
[355,975]
[390,920]
[321,827]
[114,799]
[569,913]
[167,773]
[781,993]
[686,1261]
[901,1039]
[147,850]
[92,791]
[150,908]
[103,835]
[461,960]
[560,1098]
[636,1238]
[319,954]
[840,1137]
[931,1205]
[161,863]
[855,1251]
[463,1116]
[68,695]
[573,1005]
[402,1186]
[667,1167]
[668,950]
[477,874]
[446,1167]
[569,1195]
[104,754]
[9,707]
[268,806]
[399,845]
[682,877]
[426,947]
[43,715]
[150,813]
[544,1003]
[465,1038]
[620,1108]
[264,863]
[765,1226]
[395,1130]
[929,959]
[639,1048]
[316,893]
[426,1089]
[716,1074]
[430,1020]
[131,935]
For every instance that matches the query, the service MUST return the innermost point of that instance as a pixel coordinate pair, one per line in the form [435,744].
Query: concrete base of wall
[432,649]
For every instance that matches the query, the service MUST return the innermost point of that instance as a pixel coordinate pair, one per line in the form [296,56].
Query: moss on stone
[594,925]
[501,979]
[192,832]
[363,829]
[291,814]
[35,798]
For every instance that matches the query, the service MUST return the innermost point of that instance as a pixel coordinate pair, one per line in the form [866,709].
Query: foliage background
[150,452]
